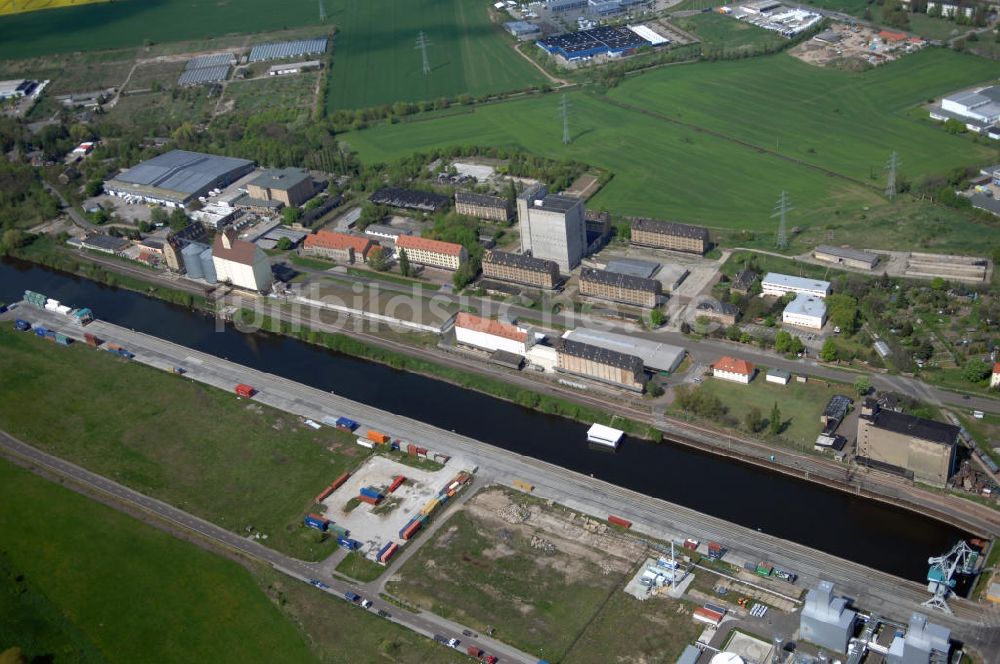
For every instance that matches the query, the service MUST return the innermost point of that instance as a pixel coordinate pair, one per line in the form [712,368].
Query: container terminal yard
[883,594]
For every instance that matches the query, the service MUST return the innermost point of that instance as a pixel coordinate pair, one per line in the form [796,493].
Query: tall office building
[552,226]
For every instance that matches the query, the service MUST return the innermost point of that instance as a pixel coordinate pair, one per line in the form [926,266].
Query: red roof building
[734,369]
[338,246]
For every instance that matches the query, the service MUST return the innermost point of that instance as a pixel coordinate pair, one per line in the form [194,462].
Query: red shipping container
[714,546]
[691,544]
[411,449]
[396,483]
[389,553]
[320,518]
[324,494]
[369,500]
[413,527]
[475,651]
[245,390]
[617,520]
[340,480]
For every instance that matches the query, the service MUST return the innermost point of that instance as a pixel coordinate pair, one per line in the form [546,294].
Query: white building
[779,376]
[491,334]
[982,104]
[805,311]
[241,263]
[732,369]
[779,284]
[995,376]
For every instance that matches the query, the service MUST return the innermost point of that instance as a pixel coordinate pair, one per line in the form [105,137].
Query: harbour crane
[941,574]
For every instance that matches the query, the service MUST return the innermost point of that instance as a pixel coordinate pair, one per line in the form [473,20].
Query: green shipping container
[338,530]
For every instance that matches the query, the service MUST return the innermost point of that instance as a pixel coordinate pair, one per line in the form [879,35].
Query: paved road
[422,622]
[873,590]
[74,214]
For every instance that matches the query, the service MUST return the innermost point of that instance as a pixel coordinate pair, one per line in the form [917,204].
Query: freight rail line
[874,590]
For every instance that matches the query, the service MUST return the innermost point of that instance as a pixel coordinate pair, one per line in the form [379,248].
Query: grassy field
[356,566]
[100,586]
[376,61]
[375,58]
[816,119]
[274,93]
[801,404]
[548,585]
[718,33]
[344,634]
[234,463]
[8,7]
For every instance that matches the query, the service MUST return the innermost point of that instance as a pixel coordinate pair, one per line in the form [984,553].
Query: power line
[564,110]
[891,166]
[422,44]
[781,210]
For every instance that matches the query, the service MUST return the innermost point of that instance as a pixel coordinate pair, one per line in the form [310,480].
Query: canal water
[871,533]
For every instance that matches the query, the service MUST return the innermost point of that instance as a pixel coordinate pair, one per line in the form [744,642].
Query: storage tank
[192,261]
[207,266]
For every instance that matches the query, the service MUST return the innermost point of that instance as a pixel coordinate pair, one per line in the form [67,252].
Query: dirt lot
[548,579]
[853,48]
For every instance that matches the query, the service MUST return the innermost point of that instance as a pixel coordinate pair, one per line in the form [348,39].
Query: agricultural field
[680,148]
[73,571]
[549,580]
[376,60]
[235,463]
[111,25]
[8,7]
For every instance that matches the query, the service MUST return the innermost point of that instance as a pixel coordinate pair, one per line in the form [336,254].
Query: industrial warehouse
[412,199]
[622,288]
[669,235]
[177,177]
[483,206]
[601,364]
[338,246]
[611,41]
[520,269]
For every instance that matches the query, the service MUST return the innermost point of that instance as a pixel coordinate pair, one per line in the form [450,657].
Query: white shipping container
[364,442]
[312,424]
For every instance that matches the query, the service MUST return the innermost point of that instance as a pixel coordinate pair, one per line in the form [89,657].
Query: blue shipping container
[22,325]
[371,493]
[41,331]
[383,550]
[349,544]
[345,423]
[315,523]
[403,529]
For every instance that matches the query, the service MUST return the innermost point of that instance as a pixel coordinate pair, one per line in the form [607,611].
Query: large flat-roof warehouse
[177,177]
[655,355]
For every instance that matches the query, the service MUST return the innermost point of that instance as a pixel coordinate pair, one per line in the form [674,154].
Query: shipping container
[36,299]
[475,651]
[339,530]
[382,551]
[763,569]
[371,492]
[91,340]
[349,544]
[411,449]
[387,555]
[618,521]
[340,480]
[364,442]
[718,609]
[324,494]
[41,331]
[369,500]
[715,550]
[394,445]
[430,506]
[408,524]
[377,437]
[410,530]
[346,424]
[524,486]
[317,523]
[22,325]
[63,340]
[691,544]
[245,391]
[396,483]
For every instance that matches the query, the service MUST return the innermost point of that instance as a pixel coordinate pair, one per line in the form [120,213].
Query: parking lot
[375,526]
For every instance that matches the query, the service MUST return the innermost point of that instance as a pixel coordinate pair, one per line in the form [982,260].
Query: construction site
[855,47]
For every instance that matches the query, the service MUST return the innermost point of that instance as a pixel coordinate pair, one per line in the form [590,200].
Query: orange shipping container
[378,437]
